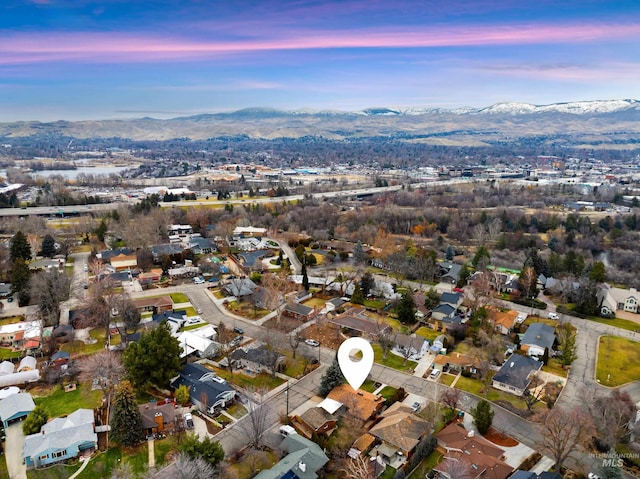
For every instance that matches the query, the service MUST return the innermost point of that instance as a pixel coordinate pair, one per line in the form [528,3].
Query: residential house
[47,264]
[356,320]
[60,358]
[485,460]
[453,299]
[179,230]
[442,311]
[360,404]
[17,335]
[449,272]
[456,363]
[150,277]
[207,391]
[240,287]
[106,255]
[315,420]
[515,374]
[124,262]
[502,321]
[412,347]
[259,359]
[158,418]
[183,272]
[15,408]
[537,338]
[302,295]
[61,439]
[298,311]
[617,299]
[168,249]
[199,342]
[200,245]
[399,431]
[251,260]
[533,475]
[303,461]
[158,304]
[175,320]
[334,304]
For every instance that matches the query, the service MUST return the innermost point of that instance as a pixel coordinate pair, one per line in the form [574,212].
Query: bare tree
[479,233]
[123,471]
[256,422]
[294,341]
[362,467]
[493,229]
[563,432]
[611,415]
[455,468]
[451,397]
[186,467]
[276,288]
[49,289]
[535,392]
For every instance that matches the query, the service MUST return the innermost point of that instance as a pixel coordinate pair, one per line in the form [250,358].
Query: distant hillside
[588,124]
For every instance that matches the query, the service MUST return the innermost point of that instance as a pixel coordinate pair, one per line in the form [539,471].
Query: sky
[84,59]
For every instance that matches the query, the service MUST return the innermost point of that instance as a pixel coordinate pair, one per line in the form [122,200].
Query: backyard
[60,403]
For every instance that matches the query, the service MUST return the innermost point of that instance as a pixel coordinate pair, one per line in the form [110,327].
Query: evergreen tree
[20,276]
[465,272]
[101,230]
[20,248]
[482,258]
[332,377]
[35,420]
[483,416]
[359,256]
[207,449]
[305,277]
[568,352]
[598,272]
[126,422]
[406,309]
[154,359]
[357,297]
[431,299]
[48,246]
[367,283]
[450,253]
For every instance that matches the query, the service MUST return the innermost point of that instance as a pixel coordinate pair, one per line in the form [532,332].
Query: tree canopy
[207,449]
[332,377]
[20,248]
[126,422]
[406,309]
[154,359]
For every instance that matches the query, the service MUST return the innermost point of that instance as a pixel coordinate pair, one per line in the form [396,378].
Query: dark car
[238,330]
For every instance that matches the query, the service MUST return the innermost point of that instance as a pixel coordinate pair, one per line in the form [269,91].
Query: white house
[617,299]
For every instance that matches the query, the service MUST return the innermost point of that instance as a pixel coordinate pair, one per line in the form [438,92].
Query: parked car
[434,374]
[238,330]
[287,430]
[312,342]
[553,316]
[188,420]
[415,407]
[198,280]
[236,341]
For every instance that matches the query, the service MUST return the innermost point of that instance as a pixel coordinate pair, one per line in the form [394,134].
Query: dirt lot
[328,337]
[286,325]
[500,439]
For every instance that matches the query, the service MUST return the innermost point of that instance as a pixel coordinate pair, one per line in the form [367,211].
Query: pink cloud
[116,47]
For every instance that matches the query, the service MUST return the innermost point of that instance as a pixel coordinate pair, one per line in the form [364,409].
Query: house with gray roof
[537,338]
[240,287]
[207,391]
[200,245]
[259,359]
[515,374]
[304,460]
[15,408]
[61,439]
[298,311]
[450,272]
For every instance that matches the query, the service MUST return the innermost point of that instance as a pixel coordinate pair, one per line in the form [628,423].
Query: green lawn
[476,387]
[179,298]
[428,463]
[428,333]
[536,319]
[236,410]
[6,353]
[262,380]
[555,367]
[388,473]
[295,367]
[193,326]
[374,303]
[392,361]
[447,379]
[618,361]
[313,302]
[80,348]
[60,403]
[618,323]
[190,311]
[11,320]
[246,469]
[62,471]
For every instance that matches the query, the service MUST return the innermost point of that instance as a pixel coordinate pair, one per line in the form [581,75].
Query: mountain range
[607,124]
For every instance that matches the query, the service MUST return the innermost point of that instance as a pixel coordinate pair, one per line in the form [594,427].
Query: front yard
[475,386]
[618,361]
[238,378]
[392,361]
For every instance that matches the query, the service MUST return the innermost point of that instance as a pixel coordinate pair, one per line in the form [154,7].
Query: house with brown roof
[150,277]
[360,404]
[158,418]
[399,432]
[314,420]
[456,362]
[484,459]
[124,262]
[157,304]
[356,320]
[502,321]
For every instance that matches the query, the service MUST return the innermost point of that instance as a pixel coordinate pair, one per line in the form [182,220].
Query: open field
[618,361]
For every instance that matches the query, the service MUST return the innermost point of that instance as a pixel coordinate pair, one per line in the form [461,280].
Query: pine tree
[126,422]
[332,377]
[305,277]
[358,296]
[483,416]
[35,420]
[406,309]
[20,248]
[48,246]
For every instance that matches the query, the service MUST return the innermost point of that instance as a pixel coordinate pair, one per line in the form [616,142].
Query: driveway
[13,451]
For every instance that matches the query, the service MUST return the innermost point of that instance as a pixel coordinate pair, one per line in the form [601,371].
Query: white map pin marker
[355,372]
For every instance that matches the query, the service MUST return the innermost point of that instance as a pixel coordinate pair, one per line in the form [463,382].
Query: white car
[434,374]
[312,342]
[591,475]
[198,280]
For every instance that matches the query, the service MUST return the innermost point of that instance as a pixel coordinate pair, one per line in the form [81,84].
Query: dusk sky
[83,59]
